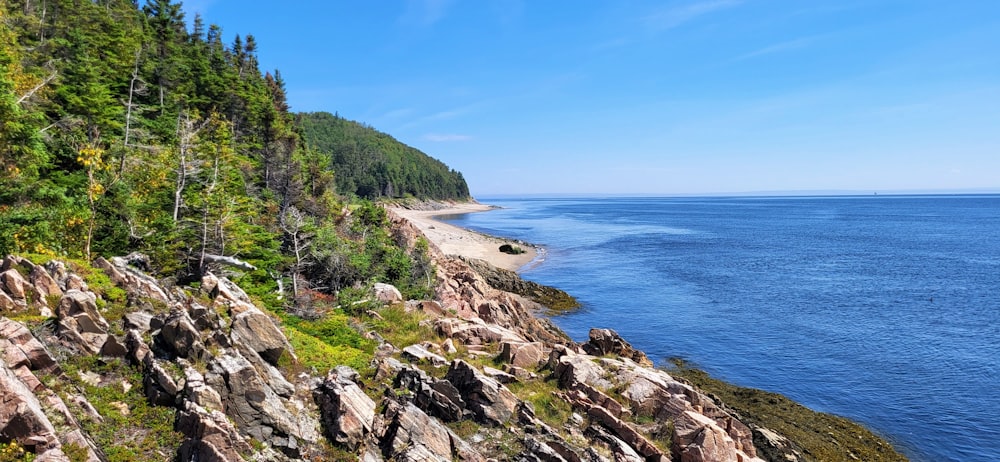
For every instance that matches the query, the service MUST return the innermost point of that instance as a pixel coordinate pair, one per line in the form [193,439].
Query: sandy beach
[453,240]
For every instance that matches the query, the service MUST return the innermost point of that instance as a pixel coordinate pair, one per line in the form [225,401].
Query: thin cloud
[425,13]
[397,113]
[445,138]
[789,45]
[669,18]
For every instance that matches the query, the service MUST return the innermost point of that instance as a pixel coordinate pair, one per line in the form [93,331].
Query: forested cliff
[129,128]
[373,164]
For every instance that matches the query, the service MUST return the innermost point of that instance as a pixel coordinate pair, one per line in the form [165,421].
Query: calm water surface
[882,309]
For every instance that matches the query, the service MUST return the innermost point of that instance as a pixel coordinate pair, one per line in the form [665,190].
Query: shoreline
[455,240]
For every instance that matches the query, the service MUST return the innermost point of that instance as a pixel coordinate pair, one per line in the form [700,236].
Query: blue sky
[654,97]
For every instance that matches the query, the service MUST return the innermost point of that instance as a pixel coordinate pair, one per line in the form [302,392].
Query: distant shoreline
[454,240]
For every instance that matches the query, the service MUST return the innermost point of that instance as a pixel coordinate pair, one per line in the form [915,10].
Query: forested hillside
[372,164]
[125,129]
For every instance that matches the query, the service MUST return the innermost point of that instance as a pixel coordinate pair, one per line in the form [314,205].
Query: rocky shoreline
[89,348]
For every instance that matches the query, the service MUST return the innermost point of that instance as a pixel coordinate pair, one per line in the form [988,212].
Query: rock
[346,412]
[22,292]
[387,293]
[607,341]
[137,283]
[21,416]
[43,283]
[489,401]
[141,321]
[431,308]
[418,353]
[448,346]
[209,436]
[79,322]
[622,451]
[21,343]
[7,303]
[180,337]
[626,433]
[225,292]
[498,375]
[696,438]
[572,368]
[253,406]
[198,392]
[257,331]
[524,355]
[113,348]
[414,436]
[438,398]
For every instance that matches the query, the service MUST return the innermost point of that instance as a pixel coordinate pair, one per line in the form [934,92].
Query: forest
[371,164]
[127,128]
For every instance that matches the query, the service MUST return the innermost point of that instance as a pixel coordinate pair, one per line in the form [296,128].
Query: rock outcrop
[493,383]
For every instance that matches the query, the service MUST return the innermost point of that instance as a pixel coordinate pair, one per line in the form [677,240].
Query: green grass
[550,408]
[819,436]
[403,329]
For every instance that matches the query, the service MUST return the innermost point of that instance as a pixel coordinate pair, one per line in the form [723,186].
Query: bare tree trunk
[204,217]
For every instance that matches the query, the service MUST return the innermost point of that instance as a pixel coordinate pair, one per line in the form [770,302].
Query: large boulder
[414,436]
[21,416]
[489,401]
[387,293]
[606,341]
[438,398]
[18,342]
[524,355]
[210,437]
[80,324]
[257,331]
[180,337]
[254,406]
[346,412]
[18,288]
[44,284]
[696,438]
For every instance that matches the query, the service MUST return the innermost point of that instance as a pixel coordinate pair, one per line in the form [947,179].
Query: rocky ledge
[492,382]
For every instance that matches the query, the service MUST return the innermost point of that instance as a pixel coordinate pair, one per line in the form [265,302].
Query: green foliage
[132,428]
[321,355]
[13,452]
[402,328]
[327,342]
[371,164]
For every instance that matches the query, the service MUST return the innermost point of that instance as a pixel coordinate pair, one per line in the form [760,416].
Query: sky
[654,97]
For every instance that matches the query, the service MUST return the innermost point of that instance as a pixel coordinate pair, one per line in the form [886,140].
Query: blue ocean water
[883,309]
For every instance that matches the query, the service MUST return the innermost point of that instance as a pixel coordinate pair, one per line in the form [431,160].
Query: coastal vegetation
[124,133]
[371,164]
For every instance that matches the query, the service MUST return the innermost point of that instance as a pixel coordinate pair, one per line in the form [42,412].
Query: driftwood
[229,261]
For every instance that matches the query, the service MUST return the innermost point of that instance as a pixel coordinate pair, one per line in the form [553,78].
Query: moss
[819,436]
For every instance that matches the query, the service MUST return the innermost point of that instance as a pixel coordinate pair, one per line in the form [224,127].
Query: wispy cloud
[397,113]
[444,138]
[425,13]
[442,115]
[790,45]
[673,16]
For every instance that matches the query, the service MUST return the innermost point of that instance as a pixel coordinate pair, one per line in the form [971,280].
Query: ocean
[882,309]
